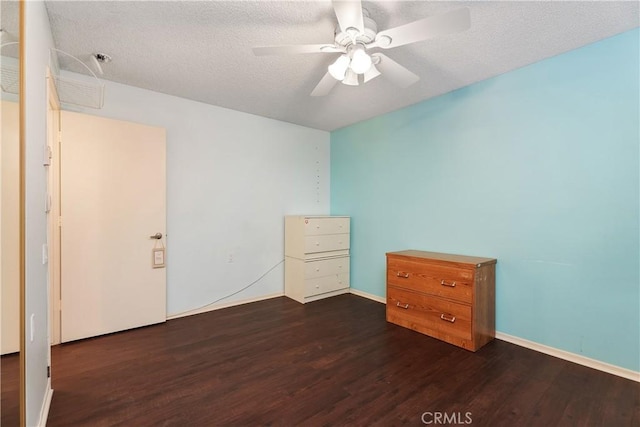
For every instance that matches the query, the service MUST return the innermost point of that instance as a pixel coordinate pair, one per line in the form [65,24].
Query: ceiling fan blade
[349,14]
[395,72]
[295,49]
[324,87]
[433,26]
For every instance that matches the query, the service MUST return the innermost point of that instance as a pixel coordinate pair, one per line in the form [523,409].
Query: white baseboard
[46,404]
[571,357]
[551,351]
[367,295]
[221,306]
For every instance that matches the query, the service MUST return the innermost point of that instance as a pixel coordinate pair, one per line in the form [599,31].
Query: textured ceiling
[9,23]
[202,50]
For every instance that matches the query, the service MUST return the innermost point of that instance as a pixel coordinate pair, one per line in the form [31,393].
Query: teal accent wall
[538,168]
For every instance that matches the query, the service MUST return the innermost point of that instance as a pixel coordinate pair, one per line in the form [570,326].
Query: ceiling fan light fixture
[339,68]
[357,34]
[351,78]
[360,60]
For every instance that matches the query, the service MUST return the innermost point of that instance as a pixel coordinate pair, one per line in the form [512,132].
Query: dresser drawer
[430,315]
[326,267]
[448,282]
[321,285]
[326,243]
[326,225]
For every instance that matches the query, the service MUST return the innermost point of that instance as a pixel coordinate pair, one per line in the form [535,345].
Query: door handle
[156,236]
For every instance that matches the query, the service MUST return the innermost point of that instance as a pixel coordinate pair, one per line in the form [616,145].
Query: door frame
[53,218]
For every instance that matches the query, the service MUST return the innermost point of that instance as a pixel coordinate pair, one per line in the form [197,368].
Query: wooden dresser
[449,297]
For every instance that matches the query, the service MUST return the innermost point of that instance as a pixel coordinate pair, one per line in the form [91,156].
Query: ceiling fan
[357,34]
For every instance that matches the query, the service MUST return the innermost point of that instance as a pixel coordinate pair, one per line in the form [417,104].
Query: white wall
[231,177]
[37,41]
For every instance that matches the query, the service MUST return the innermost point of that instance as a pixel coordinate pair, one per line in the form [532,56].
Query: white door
[112,200]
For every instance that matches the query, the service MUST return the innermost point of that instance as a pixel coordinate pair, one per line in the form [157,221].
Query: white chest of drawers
[316,250]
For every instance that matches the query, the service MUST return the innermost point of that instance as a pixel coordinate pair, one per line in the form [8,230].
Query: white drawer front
[321,285]
[326,267]
[315,226]
[326,243]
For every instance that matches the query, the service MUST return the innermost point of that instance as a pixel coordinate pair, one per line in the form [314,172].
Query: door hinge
[59,221]
[48,371]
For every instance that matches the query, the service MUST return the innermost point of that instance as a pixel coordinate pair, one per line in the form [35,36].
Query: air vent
[9,77]
[76,92]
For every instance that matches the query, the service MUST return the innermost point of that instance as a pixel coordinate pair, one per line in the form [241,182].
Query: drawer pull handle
[402,274]
[405,306]
[451,285]
[448,317]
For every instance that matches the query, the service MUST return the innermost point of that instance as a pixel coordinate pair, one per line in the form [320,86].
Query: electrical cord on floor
[232,294]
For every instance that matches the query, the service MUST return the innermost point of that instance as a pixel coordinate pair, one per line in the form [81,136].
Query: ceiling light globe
[360,62]
[351,78]
[339,68]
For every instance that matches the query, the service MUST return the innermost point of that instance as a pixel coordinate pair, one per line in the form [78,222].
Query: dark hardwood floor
[9,397]
[334,362]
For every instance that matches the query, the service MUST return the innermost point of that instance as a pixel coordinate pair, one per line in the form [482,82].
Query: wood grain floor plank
[9,383]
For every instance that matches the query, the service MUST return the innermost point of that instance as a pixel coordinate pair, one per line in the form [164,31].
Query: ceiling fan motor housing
[369,35]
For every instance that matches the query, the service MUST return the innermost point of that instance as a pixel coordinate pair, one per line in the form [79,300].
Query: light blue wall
[538,168]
